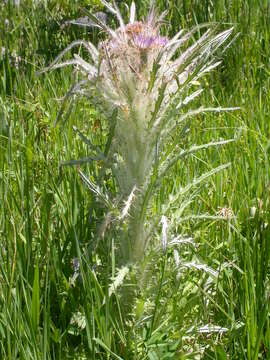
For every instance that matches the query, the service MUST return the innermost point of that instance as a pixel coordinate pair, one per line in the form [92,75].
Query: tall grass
[48,217]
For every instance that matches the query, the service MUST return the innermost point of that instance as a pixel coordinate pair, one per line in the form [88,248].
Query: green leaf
[111,132]
[161,95]
[81,161]
[220,353]
[35,299]
[153,355]
[101,343]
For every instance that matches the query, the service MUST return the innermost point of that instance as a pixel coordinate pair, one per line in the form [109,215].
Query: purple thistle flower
[148,42]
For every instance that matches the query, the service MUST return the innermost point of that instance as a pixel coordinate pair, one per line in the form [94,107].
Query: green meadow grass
[48,217]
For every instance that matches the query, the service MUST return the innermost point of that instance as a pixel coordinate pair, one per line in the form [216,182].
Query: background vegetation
[45,222]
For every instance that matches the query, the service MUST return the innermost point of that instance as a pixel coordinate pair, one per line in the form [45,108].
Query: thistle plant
[144,83]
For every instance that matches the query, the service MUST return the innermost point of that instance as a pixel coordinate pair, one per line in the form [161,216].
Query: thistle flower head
[137,36]
[135,63]
[136,69]
[127,58]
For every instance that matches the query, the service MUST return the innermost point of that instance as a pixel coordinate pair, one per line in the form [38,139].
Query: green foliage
[48,217]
